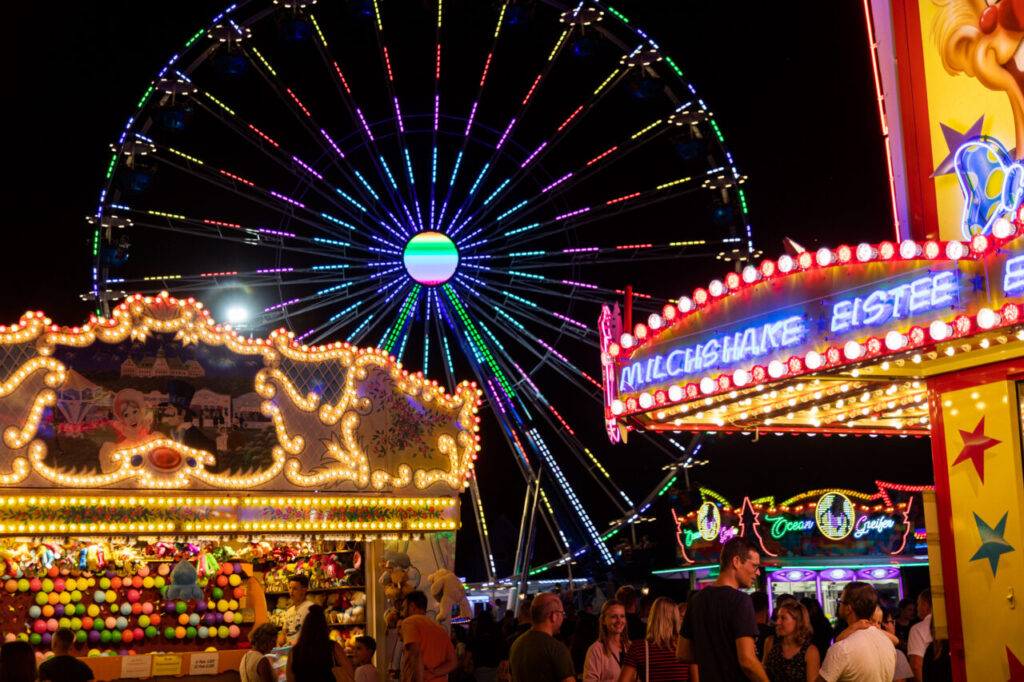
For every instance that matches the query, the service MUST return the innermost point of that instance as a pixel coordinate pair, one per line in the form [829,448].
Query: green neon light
[667,486]
[781,525]
[618,14]
[714,124]
[389,344]
[110,167]
[195,37]
[714,570]
[856,564]
[476,341]
[145,96]
[679,72]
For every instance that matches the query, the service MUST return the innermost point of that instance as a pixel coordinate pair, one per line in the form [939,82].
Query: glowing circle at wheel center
[431,258]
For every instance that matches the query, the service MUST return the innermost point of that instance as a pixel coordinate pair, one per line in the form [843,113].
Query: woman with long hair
[789,655]
[653,659]
[604,657]
[315,654]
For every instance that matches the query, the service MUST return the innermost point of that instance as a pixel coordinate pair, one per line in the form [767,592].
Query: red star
[975,445]
[1016,667]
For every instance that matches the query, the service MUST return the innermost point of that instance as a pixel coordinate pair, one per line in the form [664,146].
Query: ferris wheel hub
[431,258]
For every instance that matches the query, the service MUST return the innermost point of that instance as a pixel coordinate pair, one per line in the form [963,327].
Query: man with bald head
[537,656]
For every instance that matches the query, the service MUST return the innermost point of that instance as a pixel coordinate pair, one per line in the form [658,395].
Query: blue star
[954,140]
[993,545]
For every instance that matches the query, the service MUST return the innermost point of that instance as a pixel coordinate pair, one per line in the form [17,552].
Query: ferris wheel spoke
[452,229]
[306,173]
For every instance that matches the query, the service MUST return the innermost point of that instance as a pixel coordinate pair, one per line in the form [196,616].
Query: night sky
[791,88]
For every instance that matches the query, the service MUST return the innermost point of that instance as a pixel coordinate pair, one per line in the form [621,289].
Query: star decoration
[975,445]
[1016,667]
[954,139]
[993,545]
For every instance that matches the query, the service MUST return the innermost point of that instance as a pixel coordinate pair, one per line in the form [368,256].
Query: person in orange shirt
[428,654]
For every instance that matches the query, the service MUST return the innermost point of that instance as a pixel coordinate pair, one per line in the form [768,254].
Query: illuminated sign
[992,184]
[834,515]
[872,524]
[721,351]
[782,525]
[899,302]
[709,521]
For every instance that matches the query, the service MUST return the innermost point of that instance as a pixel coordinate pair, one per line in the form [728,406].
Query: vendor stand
[145,505]
[813,543]
[908,339]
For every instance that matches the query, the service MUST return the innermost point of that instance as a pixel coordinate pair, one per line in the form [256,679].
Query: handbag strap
[647,661]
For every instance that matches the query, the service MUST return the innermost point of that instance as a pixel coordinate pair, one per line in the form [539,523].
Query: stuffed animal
[183,582]
[449,591]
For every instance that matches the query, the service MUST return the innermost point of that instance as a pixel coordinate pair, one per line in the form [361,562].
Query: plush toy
[183,582]
[449,591]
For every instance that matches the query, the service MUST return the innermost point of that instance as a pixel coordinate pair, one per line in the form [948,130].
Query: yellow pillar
[979,480]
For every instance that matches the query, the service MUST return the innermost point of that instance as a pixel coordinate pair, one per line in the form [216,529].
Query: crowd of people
[721,633]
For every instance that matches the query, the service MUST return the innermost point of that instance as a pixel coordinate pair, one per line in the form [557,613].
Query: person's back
[65,669]
[538,657]
[865,656]
[433,640]
[715,618]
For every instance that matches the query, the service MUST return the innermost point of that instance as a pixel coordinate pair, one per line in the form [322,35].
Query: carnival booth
[914,339]
[139,510]
[814,543]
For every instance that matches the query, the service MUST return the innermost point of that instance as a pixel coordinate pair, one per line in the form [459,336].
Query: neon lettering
[668,363]
[1013,275]
[842,314]
[905,300]
[873,524]
[782,525]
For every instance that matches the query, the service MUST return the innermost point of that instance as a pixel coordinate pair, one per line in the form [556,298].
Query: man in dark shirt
[63,667]
[719,628]
[764,629]
[537,656]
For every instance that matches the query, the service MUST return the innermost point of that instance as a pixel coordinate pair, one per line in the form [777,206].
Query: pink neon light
[581,250]
[235,177]
[601,155]
[504,135]
[532,88]
[487,65]
[472,114]
[557,182]
[571,117]
[580,284]
[342,77]
[572,213]
[263,135]
[872,49]
[299,102]
[535,152]
[222,224]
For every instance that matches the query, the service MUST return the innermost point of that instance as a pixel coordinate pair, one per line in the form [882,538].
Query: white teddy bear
[449,591]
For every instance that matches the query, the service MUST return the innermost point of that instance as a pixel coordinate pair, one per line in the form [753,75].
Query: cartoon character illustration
[986,41]
[179,415]
[131,422]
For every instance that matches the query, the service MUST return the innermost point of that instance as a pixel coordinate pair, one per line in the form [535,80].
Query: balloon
[53,598]
[35,639]
[46,639]
[58,610]
[148,582]
[53,571]
[193,619]
[35,584]
[217,593]
[58,584]
[111,596]
[126,609]
[136,608]
[11,585]
[110,622]
[143,621]
[115,637]
[127,636]
[143,570]
[64,623]
[147,607]
[222,580]
[81,636]
[48,611]
[151,632]
[64,597]
[136,582]
[222,605]
[190,632]
[47,585]
[238,592]
[23,585]
[104,583]
[70,584]
[51,625]
[137,633]
[203,632]
[76,623]
[223,631]
[115,583]
[183,619]
[34,611]
[179,632]
[93,610]
[234,631]
[181,607]
[97,624]
[155,619]
[39,626]
[76,596]
[229,617]
[87,623]
[163,569]
[99,596]
[169,607]
[233,605]
[234,580]
[79,609]
[121,622]
[133,595]
[200,606]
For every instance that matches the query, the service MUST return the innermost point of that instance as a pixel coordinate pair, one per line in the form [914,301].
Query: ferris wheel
[462,184]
